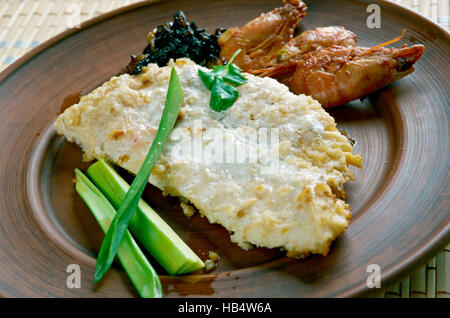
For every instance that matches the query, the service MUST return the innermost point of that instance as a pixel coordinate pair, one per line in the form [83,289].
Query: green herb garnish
[220,82]
[125,212]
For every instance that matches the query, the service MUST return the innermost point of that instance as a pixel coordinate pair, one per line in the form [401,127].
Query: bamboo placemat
[24,24]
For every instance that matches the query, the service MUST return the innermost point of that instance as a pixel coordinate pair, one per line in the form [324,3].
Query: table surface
[24,24]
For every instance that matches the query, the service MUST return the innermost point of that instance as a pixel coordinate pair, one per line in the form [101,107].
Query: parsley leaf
[234,75]
[220,82]
[223,95]
[207,78]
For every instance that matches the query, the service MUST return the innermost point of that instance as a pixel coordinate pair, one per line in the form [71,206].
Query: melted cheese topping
[297,205]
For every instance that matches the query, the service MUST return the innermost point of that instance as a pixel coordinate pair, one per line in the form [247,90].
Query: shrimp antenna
[385,43]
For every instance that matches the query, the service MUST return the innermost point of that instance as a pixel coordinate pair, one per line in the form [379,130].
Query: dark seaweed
[175,40]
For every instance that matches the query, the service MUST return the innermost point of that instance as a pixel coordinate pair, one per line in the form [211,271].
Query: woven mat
[25,24]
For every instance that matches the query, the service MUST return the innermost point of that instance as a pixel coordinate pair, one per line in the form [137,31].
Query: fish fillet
[270,169]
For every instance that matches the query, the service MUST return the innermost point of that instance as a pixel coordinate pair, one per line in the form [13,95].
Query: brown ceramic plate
[399,199]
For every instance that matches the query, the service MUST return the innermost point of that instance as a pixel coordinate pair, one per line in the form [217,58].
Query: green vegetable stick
[147,226]
[130,255]
[128,206]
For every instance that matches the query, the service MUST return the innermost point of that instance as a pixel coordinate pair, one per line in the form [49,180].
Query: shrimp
[310,40]
[336,75]
[324,62]
[262,38]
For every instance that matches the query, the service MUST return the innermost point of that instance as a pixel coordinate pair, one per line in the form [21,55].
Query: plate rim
[403,267]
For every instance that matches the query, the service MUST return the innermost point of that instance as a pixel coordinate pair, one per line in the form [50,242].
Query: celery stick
[148,227]
[141,273]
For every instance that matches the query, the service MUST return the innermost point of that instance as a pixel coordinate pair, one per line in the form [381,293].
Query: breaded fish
[270,169]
